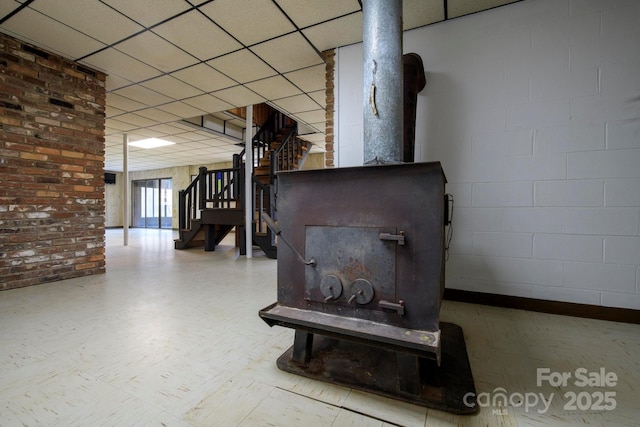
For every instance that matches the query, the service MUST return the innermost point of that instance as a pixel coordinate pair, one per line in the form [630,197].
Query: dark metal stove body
[363,281]
[377,235]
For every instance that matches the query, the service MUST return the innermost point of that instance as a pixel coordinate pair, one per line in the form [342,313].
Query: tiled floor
[172,338]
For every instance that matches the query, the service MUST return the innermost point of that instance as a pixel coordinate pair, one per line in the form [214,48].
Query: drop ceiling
[168,60]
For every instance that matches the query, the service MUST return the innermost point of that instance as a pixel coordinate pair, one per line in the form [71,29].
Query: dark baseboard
[543,306]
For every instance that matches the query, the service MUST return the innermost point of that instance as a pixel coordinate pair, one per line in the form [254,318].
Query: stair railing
[288,156]
[224,188]
[220,188]
[187,205]
[263,204]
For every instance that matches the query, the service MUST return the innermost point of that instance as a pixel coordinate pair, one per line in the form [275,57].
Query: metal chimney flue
[383,106]
[361,274]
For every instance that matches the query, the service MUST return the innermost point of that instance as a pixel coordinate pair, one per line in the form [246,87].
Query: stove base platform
[397,375]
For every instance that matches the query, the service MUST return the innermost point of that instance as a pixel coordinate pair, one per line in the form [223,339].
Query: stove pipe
[383,111]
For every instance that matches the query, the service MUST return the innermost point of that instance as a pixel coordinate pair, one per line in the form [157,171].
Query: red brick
[52,194]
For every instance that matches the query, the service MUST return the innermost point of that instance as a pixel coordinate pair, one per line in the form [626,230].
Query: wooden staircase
[214,203]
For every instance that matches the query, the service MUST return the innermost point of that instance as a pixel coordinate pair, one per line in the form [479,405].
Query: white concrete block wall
[533,109]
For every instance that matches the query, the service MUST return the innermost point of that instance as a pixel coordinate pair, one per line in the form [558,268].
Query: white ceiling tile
[191,136]
[314,116]
[143,95]
[83,16]
[146,132]
[114,82]
[416,13]
[136,136]
[336,33]
[172,87]
[315,137]
[296,104]
[181,110]
[153,50]
[118,126]
[166,129]
[111,111]
[175,138]
[220,142]
[32,26]
[112,61]
[208,103]
[204,39]
[149,12]
[7,7]
[137,120]
[308,12]
[239,96]
[309,79]
[182,126]
[273,88]
[157,115]
[123,103]
[195,146]
[242,66]
[288,53]
[204,78]
[320,96]
[250,21]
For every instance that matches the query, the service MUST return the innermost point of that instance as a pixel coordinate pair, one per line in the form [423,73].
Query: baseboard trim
[614,314]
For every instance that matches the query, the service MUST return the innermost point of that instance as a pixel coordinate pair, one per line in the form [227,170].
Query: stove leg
[408,374]
[302,344]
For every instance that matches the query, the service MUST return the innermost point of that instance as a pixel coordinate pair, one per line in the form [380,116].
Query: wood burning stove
[376,234]
[362,282]
[361,276]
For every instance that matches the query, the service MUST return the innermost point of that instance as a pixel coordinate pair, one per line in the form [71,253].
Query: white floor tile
[173,338]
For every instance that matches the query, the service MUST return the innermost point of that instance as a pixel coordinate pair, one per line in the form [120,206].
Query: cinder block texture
[532,109]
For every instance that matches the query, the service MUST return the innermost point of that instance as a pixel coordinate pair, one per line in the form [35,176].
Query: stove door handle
[388,305]
[278,232]
[394,237]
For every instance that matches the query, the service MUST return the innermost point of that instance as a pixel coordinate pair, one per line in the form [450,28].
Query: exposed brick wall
[329,58]
[51,167]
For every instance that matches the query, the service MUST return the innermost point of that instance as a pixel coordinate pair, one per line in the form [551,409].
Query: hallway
[173,338]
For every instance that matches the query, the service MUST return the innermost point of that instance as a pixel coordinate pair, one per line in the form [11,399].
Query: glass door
[166,202]
[152,203]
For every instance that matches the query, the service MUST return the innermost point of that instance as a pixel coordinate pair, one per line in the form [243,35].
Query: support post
[126,214]
[248,182]
[383,109]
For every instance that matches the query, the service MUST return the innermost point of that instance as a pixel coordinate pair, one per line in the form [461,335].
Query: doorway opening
[152,203]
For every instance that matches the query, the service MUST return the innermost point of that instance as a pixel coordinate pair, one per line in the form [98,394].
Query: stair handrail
[264,203]
[284,157]
[263,138]
[187,204]
[220,189]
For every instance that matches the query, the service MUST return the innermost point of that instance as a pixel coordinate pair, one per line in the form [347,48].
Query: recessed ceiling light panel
[151,143]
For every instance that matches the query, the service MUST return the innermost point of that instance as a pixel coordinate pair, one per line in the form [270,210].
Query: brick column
[51,167]
[329,58]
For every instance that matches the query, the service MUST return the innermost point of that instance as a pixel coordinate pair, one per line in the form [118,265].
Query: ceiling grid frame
[156,109]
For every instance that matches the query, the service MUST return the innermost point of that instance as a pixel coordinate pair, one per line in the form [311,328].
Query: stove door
[356,266]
